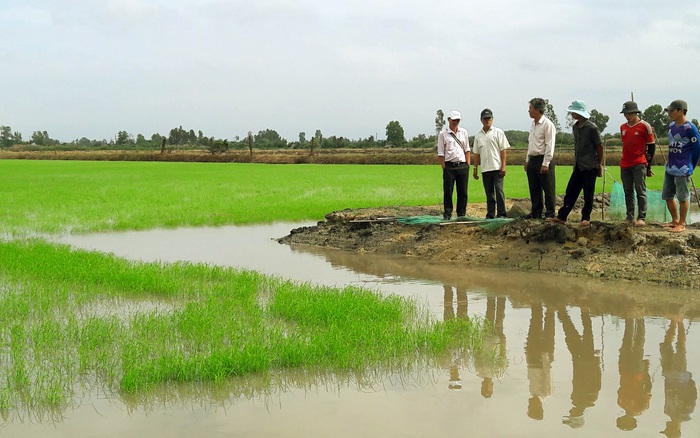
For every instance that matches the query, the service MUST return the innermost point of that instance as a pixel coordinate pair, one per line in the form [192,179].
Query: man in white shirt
[539,163]
[453,156]
[490,145]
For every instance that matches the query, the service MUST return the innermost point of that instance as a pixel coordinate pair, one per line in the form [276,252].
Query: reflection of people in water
[539,353]
[491,362]
[679,387]
[635,382]
[587,373]
[461,295]
[449,313]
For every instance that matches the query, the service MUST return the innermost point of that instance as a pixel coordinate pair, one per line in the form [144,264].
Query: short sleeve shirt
[683,148]
[635,139]
[449,148]
[489,146]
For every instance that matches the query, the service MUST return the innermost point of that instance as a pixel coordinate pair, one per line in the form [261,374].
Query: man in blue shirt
[683,154]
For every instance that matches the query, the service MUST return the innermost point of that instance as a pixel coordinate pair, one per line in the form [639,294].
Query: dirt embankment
[606,250]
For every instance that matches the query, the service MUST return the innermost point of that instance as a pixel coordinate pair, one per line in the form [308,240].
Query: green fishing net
[656,207]
[486,224]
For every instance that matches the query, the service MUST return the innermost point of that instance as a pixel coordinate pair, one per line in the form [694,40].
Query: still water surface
[574,357]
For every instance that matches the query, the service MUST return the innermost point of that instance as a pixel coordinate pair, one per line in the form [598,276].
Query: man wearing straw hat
[638,148]
[588,164]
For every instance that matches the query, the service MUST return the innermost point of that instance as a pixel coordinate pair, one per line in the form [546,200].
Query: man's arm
[550,135]
[477,162]
[502,171]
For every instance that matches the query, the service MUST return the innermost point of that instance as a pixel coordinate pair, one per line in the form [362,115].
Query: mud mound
[615,250]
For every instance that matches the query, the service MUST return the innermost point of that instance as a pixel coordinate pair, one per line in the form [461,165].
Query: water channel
[576,356]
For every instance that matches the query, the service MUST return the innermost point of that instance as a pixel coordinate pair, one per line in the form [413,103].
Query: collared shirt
[541,140]
[635,139]
[489,146]
[449,148]
[586,142]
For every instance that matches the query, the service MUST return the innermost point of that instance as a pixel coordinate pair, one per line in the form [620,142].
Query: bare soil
[605,249]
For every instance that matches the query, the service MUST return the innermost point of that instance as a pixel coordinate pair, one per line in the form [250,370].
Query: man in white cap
[453,156]
[588,164]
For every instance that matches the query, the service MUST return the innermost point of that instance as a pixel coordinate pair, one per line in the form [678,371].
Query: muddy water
[572,356]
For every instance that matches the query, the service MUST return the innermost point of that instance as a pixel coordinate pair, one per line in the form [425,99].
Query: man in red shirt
[638,149]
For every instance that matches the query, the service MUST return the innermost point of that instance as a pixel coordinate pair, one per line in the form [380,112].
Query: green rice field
[84,322]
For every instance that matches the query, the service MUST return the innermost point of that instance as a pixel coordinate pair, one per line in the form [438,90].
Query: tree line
[269,138]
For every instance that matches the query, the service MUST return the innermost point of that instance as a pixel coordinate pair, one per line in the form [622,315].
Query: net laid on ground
[486,224]
[656,207]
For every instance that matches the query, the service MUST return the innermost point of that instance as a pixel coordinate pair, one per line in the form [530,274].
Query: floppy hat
[629,107]
[486,113]
[677,104]
[579,107]
[455,115]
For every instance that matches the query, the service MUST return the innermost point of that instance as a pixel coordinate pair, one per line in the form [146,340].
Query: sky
[91,68]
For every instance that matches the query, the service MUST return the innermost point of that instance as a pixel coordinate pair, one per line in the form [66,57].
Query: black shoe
[549,215]
[446,217]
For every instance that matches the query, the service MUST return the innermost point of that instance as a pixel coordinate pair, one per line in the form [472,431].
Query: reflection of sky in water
[576,375]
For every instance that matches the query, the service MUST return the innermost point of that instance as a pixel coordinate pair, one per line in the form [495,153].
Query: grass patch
[77,320]
[84,196]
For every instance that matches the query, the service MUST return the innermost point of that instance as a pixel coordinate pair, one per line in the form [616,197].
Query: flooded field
[568,356]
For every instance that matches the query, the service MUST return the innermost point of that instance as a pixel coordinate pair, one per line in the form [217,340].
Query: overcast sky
[91,68]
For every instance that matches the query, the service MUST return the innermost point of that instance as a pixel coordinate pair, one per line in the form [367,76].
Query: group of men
[638,148]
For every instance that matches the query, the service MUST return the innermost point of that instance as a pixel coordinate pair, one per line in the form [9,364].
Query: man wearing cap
[453,156]
[588,164]
[539,163]
[638,149]
[683,154]
[490,145]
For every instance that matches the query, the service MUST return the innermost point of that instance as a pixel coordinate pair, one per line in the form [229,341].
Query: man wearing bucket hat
[453,156]
[539,163]
[638,148]
[588,164]
[683,154]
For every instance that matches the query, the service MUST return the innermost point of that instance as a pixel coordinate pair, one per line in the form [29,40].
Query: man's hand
[476,173]
[544,170]
[502,172]
[649,171]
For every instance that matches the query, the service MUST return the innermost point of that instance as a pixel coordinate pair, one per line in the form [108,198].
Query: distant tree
[600,119]
[250,142]
[312,145]
[141,140]
[41,138]
[123,138]
[658,119]
[7,139]
[302,138]
[319,138]
[394,134]
[551,115]
[695,122]
[269,139]
[439,121]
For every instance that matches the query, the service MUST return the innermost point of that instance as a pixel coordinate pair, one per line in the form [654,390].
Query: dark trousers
[455,174]
[580,180]
[538,183]
[634,180]
[495,198]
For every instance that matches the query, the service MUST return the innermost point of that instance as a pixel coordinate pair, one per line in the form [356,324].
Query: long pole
[605,170]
